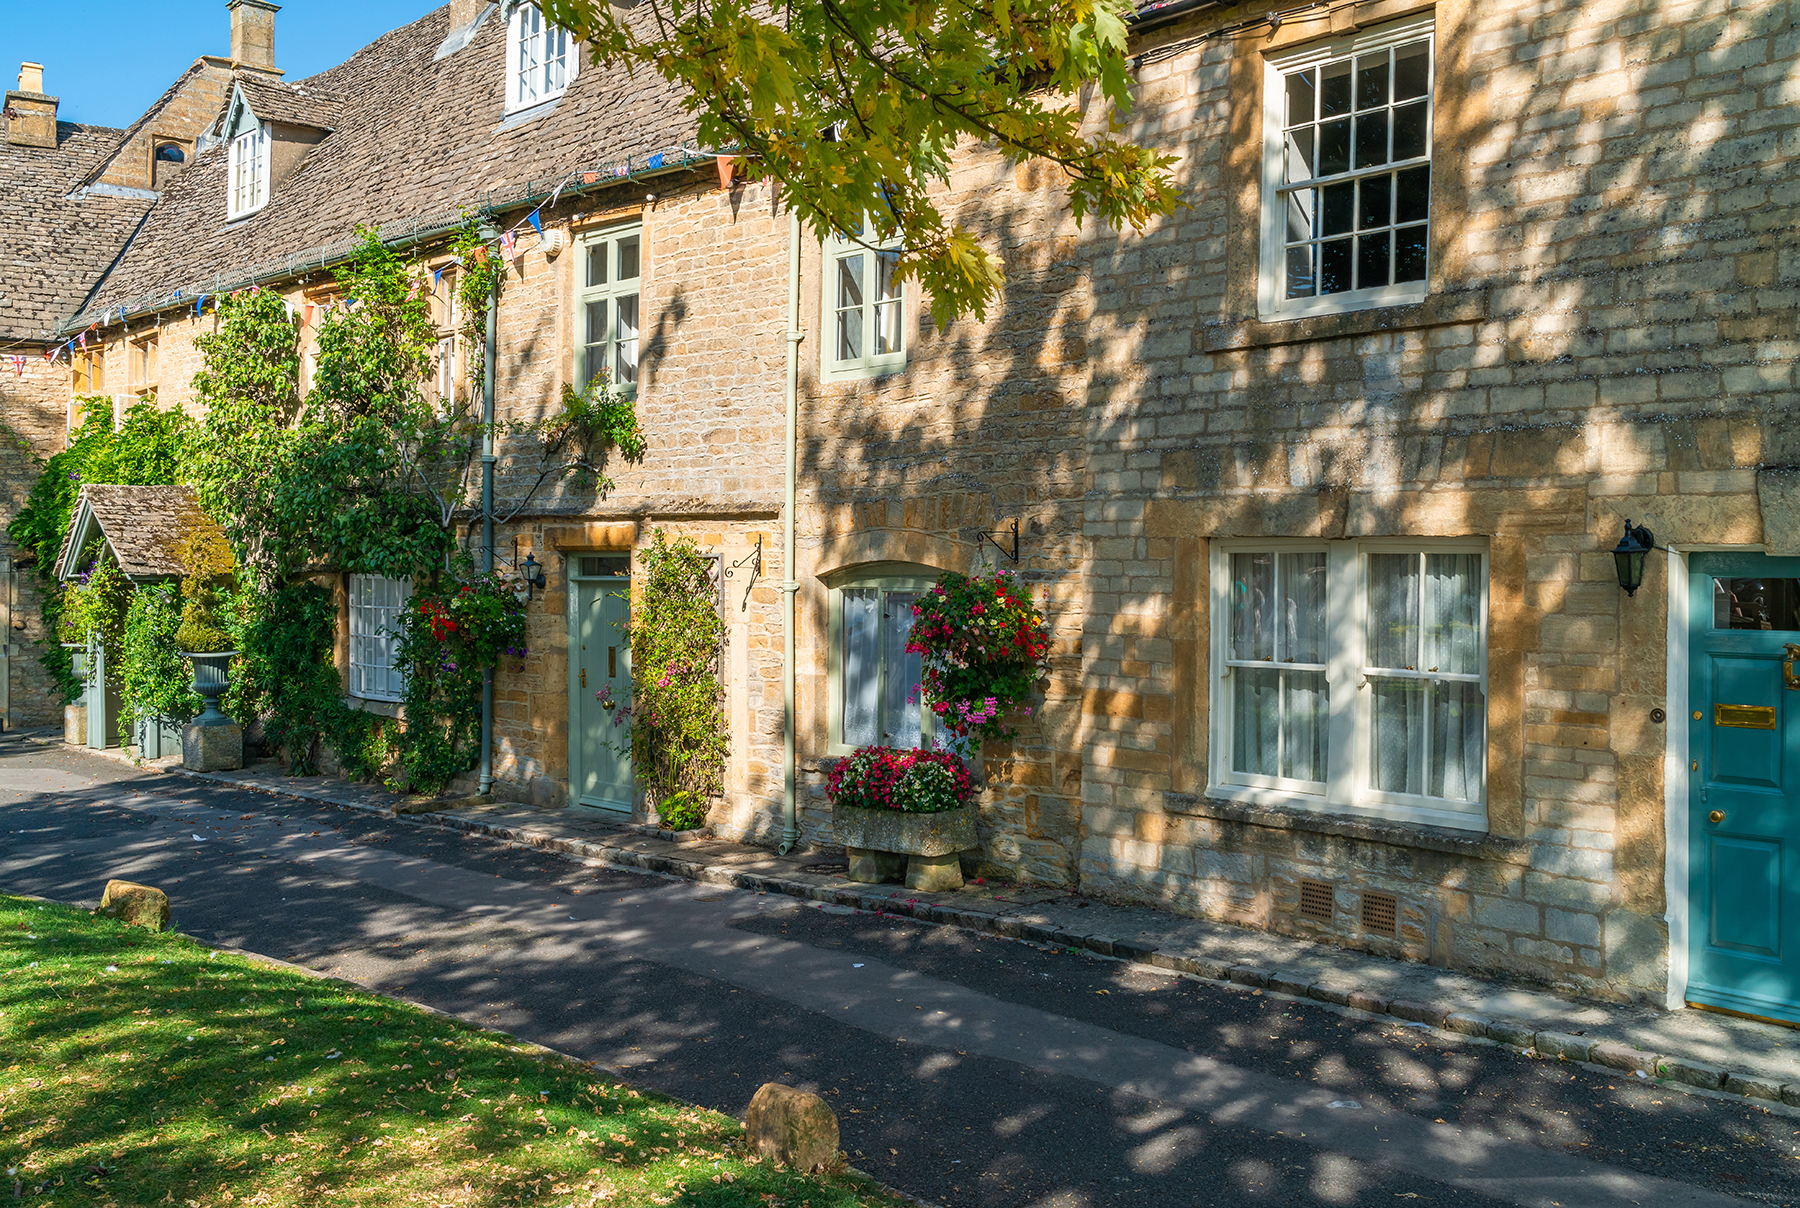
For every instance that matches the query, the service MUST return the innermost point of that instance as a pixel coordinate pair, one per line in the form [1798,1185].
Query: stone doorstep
[624,850]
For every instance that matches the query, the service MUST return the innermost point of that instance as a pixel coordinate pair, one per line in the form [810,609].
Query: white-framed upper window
[874,682]
[611,267]
[865,307]
[541,59]
[375,604]
[1352,677]
[1347,172]
[249,168]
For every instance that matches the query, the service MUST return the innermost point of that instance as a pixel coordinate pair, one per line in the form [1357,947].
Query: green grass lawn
[139,1069]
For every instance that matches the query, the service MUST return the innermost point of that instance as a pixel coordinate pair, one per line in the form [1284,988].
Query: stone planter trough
[889,845]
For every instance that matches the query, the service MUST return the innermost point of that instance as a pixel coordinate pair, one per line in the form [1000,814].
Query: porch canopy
[142,528]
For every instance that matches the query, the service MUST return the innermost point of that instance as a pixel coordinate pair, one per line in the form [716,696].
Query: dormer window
[249,172]
[542,59]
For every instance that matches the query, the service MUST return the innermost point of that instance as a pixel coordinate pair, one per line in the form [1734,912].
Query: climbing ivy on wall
[146,450]
[369,473]
[678,735]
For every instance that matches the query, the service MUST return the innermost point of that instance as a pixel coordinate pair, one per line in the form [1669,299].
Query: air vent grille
[1316,900]
[1380,912]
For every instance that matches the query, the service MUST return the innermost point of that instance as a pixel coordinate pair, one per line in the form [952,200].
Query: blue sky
[106,60]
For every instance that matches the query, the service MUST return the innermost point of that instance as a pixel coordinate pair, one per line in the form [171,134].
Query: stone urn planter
[891,845]
[211,742]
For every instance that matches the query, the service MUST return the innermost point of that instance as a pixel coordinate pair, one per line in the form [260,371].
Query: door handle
[1716,816]
[584,677]
[1787,667]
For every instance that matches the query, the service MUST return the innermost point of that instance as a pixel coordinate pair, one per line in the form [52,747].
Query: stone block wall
[33,406]
[983,427]
[1609,334]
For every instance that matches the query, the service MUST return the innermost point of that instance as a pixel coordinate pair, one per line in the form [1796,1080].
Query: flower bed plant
[984,646]
[913,782]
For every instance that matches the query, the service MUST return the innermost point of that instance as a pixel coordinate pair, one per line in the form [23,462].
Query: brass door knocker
[1787,667]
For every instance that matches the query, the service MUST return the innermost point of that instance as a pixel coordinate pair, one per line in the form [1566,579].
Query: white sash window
[541,59]
[249,172]
[1352,676]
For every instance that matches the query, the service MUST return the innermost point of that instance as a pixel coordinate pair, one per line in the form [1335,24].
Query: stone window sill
[1443,839]
[1439,310]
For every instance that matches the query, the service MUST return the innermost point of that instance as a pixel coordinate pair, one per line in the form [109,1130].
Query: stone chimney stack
[253,35]
[464,12]
[30,115]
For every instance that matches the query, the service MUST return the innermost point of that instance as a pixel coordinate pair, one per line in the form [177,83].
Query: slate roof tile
[53,250]
[296,104]
[413,137]
[143,525]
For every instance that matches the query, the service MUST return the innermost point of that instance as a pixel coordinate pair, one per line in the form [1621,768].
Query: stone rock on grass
[138,905]
[793,1127]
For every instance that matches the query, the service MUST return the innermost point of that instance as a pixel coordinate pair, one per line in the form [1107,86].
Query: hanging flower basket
[984,646]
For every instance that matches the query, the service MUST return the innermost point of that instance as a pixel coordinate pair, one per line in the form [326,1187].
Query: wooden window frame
[1346,788]
[542,43]
[885,579]
[1273,302]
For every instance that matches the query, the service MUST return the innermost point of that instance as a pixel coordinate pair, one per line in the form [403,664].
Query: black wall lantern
[1629,555]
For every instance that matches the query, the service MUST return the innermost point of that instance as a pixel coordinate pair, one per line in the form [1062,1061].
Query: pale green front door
[600,688]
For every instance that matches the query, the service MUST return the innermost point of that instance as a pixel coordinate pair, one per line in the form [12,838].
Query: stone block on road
[794,1127]
[138,905]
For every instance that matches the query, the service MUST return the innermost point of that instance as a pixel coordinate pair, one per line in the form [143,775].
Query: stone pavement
[1699,1049]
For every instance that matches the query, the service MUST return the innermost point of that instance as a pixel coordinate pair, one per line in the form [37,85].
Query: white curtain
[1397,735]
[1393,635]
[1256,737]
[1452,614]
[1303,725]
[1458,741]
[1303,608]
[1252,606]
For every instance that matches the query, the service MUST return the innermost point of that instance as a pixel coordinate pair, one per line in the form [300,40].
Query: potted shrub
[202,638]
[896,810]
[983,647]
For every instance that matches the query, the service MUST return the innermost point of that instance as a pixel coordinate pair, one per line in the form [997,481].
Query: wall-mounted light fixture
[529,575]
[1629,553]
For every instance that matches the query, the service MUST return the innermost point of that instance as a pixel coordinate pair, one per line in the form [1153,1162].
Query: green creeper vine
[154,680]
[367,473]
[146,450]
[678,736]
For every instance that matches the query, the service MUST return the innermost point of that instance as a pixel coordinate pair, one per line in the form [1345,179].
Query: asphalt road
[965,1070]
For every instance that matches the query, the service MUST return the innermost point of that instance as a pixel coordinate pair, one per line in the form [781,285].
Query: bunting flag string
[507,243]
[537,223]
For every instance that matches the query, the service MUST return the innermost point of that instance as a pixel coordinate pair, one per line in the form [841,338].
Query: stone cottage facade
[1319,478]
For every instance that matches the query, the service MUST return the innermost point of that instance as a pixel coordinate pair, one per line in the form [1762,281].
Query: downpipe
[487,514]
[790,795]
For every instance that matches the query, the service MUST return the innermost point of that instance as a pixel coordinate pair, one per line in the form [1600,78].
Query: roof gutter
[1156,16]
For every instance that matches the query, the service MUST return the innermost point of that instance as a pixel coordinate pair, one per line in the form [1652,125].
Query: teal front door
[600,671]
[1744,825]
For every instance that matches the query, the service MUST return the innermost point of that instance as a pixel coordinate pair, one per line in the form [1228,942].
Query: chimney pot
[253,34]
[30,115]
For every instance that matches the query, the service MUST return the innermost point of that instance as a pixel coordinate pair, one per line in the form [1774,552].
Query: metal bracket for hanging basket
[993,539]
